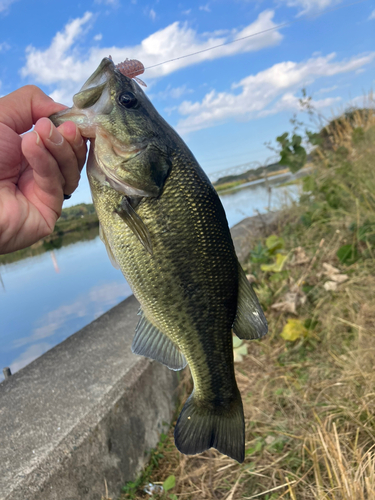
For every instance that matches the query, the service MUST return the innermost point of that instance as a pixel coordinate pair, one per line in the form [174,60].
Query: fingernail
[37,137]
[55,137]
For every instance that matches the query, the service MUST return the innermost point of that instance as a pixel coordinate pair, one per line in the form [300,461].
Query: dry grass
[309,404]
[339,131]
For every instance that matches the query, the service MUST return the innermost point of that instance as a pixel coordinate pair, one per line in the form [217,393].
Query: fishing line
[288,23]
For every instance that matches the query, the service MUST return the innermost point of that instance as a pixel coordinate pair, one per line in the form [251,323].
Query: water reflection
[39,307]
[254,197]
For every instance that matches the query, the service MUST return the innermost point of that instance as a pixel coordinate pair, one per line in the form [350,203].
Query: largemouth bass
[164,226]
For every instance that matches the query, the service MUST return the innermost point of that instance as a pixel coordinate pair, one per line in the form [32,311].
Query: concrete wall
[88,410]
[85,411]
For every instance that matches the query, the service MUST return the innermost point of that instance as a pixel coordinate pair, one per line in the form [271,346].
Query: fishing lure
[131,68]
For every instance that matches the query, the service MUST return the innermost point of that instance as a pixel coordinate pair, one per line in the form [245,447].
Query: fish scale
[187,319]
[163,224]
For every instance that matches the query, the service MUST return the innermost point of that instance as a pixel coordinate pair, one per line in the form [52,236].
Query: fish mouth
[100,76]
[110,155]
[92,100]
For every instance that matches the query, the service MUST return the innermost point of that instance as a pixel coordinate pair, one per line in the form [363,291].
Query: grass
[308,386]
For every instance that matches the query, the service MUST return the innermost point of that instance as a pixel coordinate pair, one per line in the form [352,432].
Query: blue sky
[227,102]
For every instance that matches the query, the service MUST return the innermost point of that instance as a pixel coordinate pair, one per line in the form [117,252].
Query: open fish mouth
[94,97]
[94,112]
[92,100]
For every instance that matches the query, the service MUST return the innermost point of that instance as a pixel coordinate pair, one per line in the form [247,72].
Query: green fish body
[164,226]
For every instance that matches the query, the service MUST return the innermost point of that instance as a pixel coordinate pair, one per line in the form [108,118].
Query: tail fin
[199,428]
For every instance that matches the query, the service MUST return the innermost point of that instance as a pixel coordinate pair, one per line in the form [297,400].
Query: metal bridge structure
[241,168]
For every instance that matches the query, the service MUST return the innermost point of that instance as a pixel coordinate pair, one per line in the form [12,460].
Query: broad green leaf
[282,139]
[239,349]
[277,266]
[347,254]
[293,330]
[237,342]
[296,140]
[259,253]
[169,483]
[242,350]
[274,243]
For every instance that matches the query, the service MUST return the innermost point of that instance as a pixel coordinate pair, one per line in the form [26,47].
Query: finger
[62,152]
[10,153]
[42,183]
[72,134]
[23,107]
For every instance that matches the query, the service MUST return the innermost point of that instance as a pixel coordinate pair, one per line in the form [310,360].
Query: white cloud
[289,101]
[372,15]
[206,8]
[4,46]
[99,299]
[98,37]
[363,101]
[54,64]
[172,92]
[152,14]
[186,12]
[266,92]
[63,63]
[328,89]
[5,4]
[114,3]
[310,6]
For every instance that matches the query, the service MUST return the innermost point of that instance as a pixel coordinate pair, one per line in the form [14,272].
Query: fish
[164,226]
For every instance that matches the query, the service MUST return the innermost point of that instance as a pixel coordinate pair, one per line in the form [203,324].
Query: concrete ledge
[85,411]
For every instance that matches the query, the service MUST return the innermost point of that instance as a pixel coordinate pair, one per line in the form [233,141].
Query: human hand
[36,169]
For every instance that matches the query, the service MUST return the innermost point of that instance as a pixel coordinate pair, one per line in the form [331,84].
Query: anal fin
[250,322]
[149,341]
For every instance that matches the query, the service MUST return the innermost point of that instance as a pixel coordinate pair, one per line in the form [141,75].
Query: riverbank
[78,223]
[234,181]
[307,387]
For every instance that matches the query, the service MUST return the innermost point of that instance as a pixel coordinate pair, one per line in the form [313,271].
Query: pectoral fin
[135,223]
[149,341]
[250,322]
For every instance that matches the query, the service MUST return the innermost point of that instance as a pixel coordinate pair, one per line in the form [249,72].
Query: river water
[47,298]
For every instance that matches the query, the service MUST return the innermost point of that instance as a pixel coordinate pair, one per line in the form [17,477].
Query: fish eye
[128,100]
